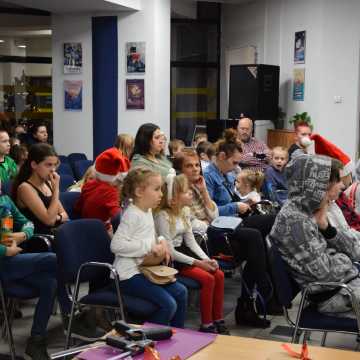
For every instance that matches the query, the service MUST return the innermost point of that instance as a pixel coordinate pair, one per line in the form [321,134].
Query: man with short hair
[8,167]
[302,140]
[256,154]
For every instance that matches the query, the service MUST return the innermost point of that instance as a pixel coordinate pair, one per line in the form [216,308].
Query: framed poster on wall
[299,47]
[135,94]
[73,95]
[299,84]
[135,57]
[72,58]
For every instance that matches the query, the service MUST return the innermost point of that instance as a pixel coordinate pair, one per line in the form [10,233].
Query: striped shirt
[255,155]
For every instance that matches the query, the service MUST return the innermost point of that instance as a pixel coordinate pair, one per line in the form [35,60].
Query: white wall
[332,57]
[152,25]
[242,29]
[73,131]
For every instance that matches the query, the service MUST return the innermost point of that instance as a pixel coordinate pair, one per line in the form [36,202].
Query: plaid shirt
[352,218]
[251,148]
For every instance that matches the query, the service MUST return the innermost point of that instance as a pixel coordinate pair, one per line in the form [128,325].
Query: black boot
[245,315]
[36,348]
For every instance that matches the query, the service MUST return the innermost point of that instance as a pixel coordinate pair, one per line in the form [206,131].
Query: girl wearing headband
[173,223]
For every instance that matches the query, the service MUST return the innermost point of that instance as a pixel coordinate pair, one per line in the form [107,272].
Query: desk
[235,347]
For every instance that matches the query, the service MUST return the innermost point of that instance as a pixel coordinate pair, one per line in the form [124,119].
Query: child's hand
[158,250]
[205,265]
[13,249]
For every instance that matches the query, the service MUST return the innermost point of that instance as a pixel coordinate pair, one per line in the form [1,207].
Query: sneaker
[208,329]
[221,327]
[36,348]
[83,328]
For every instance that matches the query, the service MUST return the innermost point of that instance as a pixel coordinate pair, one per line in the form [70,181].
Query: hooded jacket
[312,255]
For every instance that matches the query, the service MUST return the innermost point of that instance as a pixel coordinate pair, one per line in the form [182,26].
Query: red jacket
[98,200]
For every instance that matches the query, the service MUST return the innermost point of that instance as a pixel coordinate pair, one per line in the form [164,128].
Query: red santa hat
[108,165]
[325,147]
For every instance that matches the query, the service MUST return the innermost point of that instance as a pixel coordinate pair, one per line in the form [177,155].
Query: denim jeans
[37,271]
[171,299]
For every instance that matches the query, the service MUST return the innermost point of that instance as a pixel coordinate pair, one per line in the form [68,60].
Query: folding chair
[9,293]
[308,317]
[83,253]
[68,200]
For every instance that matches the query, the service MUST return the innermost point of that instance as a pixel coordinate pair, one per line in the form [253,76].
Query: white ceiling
[75,6]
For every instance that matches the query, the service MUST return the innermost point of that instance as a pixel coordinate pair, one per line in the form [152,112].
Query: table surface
[235,347]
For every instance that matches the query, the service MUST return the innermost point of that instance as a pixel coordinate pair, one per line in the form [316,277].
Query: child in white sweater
[173,222]
[135,240]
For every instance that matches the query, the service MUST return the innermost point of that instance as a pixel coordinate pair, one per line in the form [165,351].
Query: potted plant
[301,119]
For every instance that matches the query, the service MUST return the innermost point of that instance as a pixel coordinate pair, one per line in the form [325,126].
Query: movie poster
[299,48]
[73,95]
[135,57]
[299,84]
[135,94]
[72,58]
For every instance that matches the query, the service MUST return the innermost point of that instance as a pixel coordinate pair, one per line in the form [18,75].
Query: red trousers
[211,293]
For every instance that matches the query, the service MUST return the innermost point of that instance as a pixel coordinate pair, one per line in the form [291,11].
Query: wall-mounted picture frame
[73,61]
[135,94]
[73,95]
[299,47]
[135,57]
[299,85]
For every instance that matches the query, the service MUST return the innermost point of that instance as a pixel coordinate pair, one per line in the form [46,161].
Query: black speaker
[215,128]
[254,91]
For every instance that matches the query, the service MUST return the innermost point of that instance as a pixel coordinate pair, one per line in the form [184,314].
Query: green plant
[301,119]
[280,120]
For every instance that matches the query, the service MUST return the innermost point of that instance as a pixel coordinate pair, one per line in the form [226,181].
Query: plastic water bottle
[7,224]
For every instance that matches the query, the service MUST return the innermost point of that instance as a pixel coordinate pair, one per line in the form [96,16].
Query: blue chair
[68,200]
[65,169]
[6,187]
[308,317]
[8,293]
[66,181]
[83,253]
[63,159]
[74,157]
[80,168]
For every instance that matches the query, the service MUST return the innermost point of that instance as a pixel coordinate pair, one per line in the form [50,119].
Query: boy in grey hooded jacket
[314,250]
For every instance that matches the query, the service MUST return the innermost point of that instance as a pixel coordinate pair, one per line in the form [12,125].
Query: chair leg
[7,325]
[323,339]
[307,335]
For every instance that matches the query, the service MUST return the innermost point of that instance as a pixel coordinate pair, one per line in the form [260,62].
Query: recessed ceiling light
[2,41]
[22,46]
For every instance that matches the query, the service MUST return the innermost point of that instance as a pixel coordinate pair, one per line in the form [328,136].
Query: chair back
[81,241]
[80,167]
[6,187]
[63,159]
[68,200]
[285,286]
[66,181]
[73,157]
[65,169]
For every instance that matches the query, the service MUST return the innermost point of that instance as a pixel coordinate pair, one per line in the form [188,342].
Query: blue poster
[73,95]
[299,85]
[299,48]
